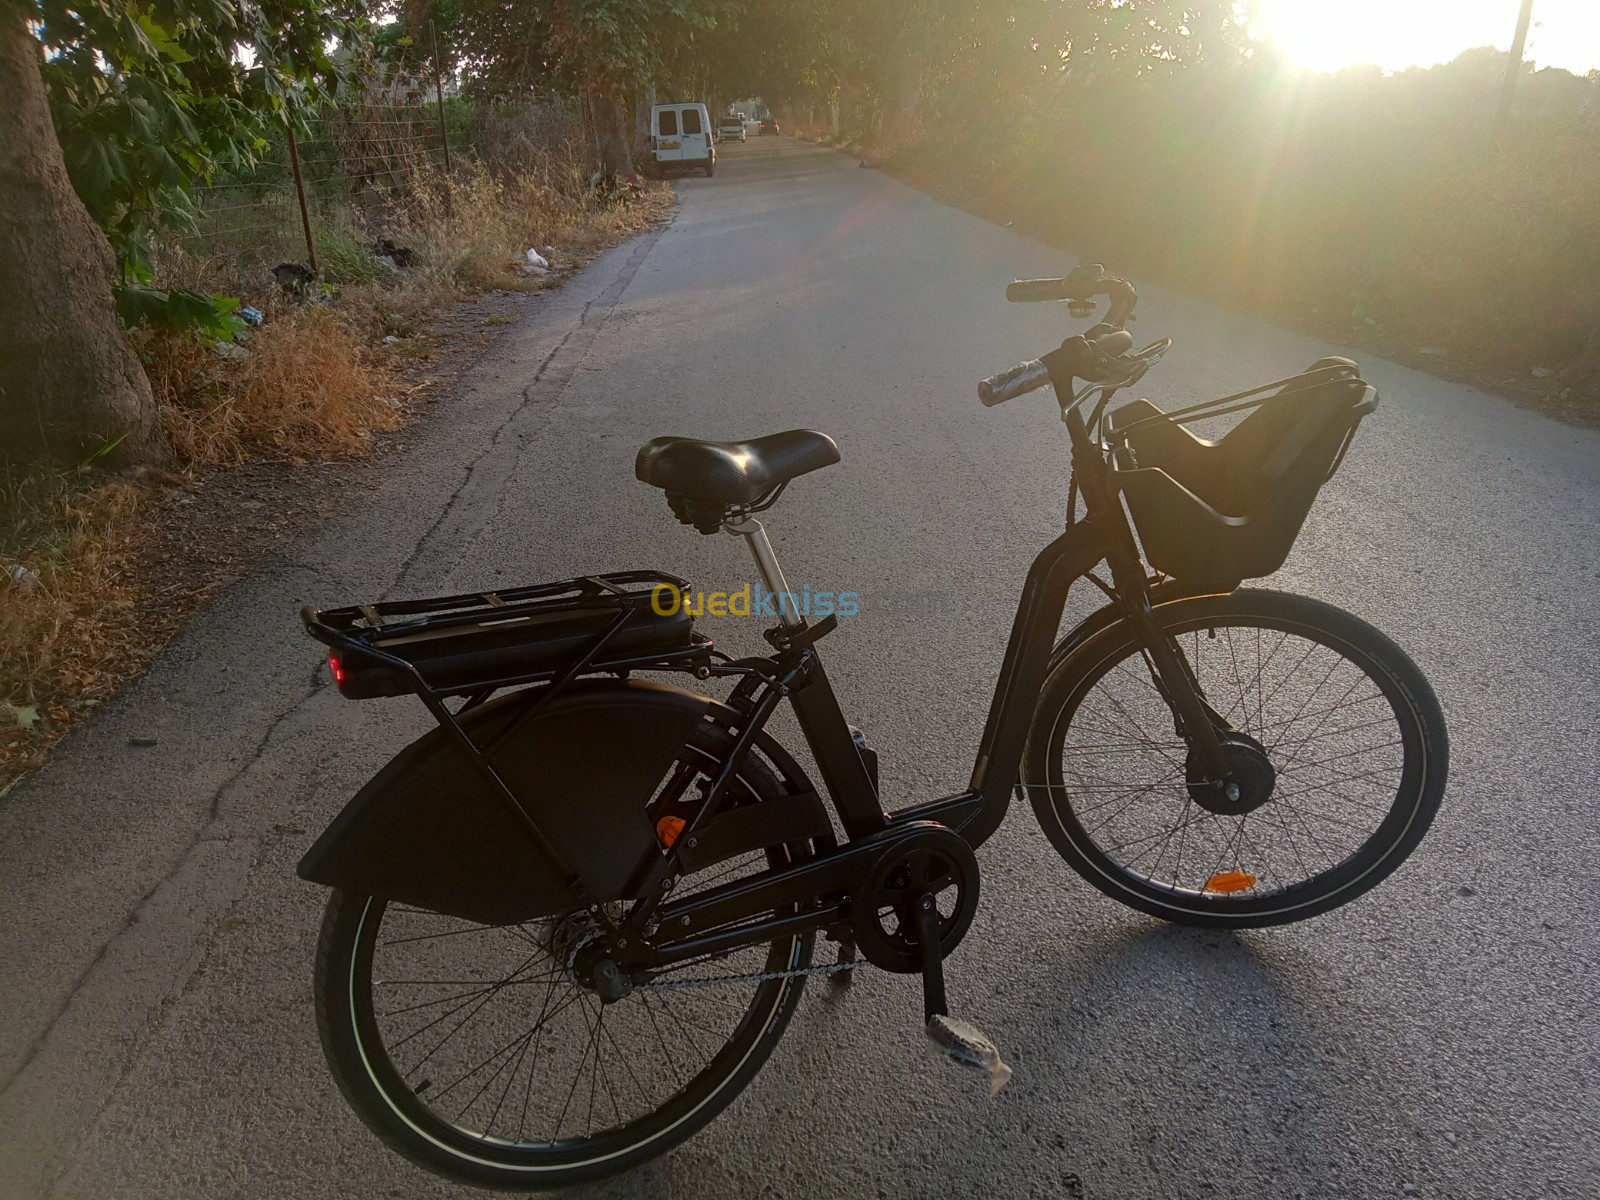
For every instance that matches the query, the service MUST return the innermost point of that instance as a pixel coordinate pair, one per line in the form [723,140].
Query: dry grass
[314,382]
[70,629]
[474,234]
[310,386]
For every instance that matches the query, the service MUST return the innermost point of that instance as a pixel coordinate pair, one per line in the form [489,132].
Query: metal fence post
[444,128]
[300,192]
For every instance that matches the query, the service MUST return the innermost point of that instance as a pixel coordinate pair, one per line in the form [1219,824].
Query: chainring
[936,862]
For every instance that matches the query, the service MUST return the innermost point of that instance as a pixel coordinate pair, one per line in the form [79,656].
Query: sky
[1324,35]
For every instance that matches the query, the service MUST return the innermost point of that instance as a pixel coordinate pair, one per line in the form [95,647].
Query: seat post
[755,537]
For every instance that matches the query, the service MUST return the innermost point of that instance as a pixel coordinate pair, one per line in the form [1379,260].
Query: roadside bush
[315,381]
[1371,208]
[307,385]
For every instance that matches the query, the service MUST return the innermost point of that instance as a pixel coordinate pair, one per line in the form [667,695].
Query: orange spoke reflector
[1230,881]
[668,829]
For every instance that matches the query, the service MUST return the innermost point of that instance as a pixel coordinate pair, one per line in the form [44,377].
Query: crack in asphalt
[580,338]
[201,835]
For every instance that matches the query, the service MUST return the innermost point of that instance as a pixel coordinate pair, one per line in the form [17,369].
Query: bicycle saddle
[702,476]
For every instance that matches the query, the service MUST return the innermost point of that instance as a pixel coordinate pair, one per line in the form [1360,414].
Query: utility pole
[1514,65]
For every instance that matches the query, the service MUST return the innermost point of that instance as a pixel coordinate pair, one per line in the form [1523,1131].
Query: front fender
[429,830]
[1109,614]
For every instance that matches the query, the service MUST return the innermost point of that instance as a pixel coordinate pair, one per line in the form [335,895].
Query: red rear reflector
[338,671]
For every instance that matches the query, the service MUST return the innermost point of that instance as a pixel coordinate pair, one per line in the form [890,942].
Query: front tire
[1353,732]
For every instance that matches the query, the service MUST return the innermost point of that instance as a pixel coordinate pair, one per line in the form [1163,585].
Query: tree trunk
[70,384]
[643,137]
[611,135]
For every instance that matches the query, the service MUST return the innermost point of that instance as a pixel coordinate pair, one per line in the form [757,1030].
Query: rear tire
[1353,732]
[463,1095]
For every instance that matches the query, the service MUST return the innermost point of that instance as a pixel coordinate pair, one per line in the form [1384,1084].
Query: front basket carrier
[1213,513]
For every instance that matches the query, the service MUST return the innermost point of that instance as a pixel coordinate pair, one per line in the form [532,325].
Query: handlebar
[1083,283]
[1103,360]
[1099,357]
[1026,291]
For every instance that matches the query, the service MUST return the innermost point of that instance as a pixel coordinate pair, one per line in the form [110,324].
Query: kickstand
[844,976]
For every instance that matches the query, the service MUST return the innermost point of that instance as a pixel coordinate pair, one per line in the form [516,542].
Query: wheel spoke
[1332,735]
[490,1037]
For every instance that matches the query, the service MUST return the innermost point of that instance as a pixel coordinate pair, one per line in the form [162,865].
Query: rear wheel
[480,1053]
[1340,753]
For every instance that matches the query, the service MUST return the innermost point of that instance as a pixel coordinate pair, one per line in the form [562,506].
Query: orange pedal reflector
[668,829]
[1229,881]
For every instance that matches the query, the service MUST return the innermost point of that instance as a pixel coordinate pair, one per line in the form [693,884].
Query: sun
[1326,35]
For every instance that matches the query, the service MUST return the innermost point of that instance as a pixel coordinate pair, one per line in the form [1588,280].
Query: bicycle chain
[718,980]
[763,977]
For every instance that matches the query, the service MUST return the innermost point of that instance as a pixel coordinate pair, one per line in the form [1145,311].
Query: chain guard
[883,915]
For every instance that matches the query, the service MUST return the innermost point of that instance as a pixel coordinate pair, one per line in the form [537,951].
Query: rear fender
[431,831]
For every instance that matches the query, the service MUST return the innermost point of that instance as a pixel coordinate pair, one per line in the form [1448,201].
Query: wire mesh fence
[396,177]
[333,190]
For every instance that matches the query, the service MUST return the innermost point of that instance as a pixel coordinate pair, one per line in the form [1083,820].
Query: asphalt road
[156,1033]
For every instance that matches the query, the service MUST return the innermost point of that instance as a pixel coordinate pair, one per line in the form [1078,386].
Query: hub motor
[1250,781]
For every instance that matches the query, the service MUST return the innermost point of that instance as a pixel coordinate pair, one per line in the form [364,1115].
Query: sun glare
[1325,35]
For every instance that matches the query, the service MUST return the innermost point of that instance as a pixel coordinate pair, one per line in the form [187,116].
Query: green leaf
[25,715]
[103,451]
[163,40]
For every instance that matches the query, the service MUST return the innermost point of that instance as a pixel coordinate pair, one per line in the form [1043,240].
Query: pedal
[963,1044]
[967,1046]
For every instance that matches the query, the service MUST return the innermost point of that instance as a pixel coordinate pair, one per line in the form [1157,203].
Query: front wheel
[1338,742]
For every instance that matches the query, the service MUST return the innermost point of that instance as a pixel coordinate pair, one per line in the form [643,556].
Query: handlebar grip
[1018,381]
[1024,291]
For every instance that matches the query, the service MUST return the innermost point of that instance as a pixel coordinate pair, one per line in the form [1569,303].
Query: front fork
[1197,722]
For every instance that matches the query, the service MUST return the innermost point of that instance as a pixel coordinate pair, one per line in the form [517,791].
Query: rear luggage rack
[477,643]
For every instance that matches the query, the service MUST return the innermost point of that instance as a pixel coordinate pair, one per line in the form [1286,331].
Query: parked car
[730,128]
[769,125]
[680,137]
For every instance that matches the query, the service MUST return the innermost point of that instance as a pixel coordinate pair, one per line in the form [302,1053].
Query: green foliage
[343,260]
[153,97]
[555,46]
[215,318]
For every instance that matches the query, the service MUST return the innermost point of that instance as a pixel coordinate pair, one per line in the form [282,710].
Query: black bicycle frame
[1103,535]
[809,896]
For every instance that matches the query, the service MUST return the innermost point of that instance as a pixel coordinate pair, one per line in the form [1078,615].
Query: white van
[680,137]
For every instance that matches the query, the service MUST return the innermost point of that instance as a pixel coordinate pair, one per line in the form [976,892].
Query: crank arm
[934,1002]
